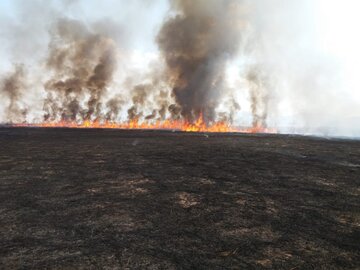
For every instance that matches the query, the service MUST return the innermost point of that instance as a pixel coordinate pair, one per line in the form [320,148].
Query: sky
[143,16]
[309,48]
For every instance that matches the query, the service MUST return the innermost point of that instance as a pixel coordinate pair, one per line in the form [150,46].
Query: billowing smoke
[196,44]
[285,64]
[152,93]
[113,107]
[82,64]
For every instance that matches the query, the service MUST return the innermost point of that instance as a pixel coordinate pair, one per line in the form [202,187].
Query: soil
[117,199]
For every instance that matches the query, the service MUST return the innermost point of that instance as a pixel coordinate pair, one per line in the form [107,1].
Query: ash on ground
[113,199]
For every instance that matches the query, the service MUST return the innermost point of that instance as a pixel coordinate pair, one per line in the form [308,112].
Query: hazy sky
[309,48]
[137,20]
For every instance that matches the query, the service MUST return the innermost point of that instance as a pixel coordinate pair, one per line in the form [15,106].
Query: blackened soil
[112,199]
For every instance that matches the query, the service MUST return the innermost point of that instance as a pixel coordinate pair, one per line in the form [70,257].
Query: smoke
[113,107]
[82,62]
[258,97]
[196,43]
[279,63]
[11,88]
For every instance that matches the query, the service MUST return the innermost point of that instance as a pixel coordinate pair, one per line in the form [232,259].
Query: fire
[180,125]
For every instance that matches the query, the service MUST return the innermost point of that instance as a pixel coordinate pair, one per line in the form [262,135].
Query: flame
[180,125]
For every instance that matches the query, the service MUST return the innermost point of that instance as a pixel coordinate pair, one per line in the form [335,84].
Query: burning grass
[180,125]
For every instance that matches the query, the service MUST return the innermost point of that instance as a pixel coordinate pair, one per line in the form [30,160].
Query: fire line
[198,126]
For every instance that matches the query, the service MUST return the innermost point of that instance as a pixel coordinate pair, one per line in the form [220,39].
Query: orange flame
[180,125]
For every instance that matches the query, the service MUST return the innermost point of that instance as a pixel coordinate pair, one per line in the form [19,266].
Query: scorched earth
[98,198]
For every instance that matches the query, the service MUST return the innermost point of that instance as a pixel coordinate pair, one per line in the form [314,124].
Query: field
[117,199]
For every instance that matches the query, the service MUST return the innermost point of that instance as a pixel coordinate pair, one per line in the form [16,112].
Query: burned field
[78,198]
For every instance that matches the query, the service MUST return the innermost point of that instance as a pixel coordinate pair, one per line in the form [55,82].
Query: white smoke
[308,51]
[305,54]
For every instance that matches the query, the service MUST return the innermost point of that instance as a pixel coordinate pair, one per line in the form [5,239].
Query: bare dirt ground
[112,199]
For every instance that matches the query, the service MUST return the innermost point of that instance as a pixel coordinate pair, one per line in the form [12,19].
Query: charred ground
[161,200]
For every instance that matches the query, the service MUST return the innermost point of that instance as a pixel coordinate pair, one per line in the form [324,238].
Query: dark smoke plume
[195,44]
[154,94]
[12,87]
[139,98]
[82,63]
[113,107]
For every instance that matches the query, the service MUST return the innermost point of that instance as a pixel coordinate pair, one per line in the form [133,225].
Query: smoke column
[196,43]
[285,64]
[82,62]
